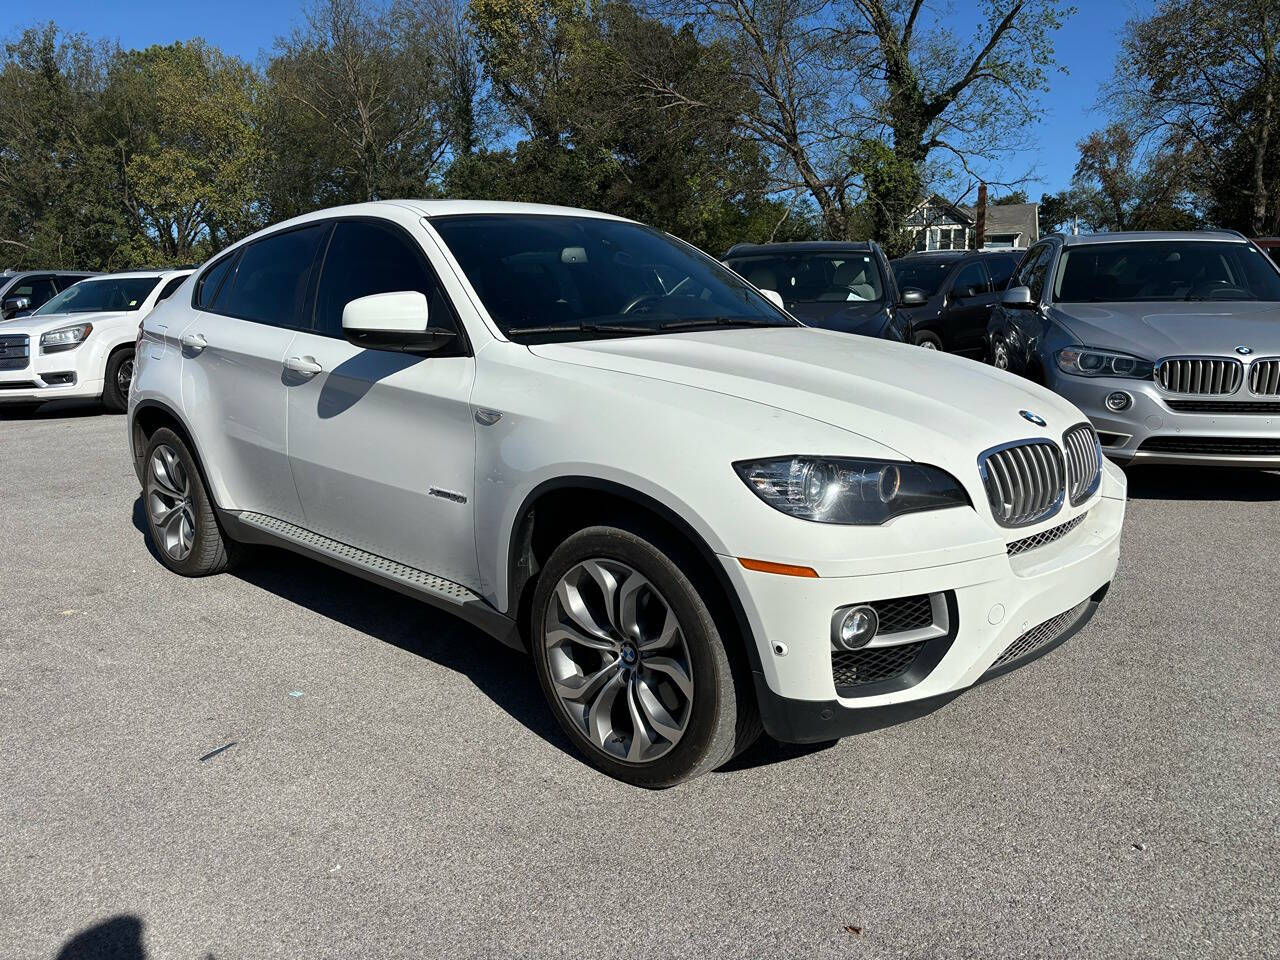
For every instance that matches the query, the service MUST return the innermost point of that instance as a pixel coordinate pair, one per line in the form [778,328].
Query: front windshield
[569,278]
[1163,270]
[815,277]
[923,275]
[97,296]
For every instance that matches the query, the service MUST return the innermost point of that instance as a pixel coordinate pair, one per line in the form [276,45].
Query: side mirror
[774,297]
[1017,298]
[393,321]
[911,297]
[14,305]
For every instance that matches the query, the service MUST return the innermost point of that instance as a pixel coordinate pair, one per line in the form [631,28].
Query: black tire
[928,340]
[722,717]
[210,551]
[115,393]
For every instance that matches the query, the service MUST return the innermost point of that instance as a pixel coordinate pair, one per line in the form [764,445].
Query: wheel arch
[558,507]
[147,417]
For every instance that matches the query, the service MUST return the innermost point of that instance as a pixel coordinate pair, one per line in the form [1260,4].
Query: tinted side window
[64,281]
[211,280]
[1001,269]
[271,278]
[366,257]
[971,276]
[169,287]
[1034,269]
[1040,273]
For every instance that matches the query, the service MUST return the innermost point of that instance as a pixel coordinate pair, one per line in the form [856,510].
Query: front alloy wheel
[631,660]
[618,660]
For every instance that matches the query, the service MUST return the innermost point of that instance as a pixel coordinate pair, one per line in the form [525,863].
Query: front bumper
[1150,418]
[997,600]
[54,376]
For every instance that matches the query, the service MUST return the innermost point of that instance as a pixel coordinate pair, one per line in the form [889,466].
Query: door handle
[194,342]
[305,365]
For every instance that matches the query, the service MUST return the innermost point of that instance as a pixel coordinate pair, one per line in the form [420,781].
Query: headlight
[64,338]
[1088,362]
[838,490]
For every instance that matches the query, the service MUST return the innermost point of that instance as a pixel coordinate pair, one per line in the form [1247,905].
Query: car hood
[846,316]
[34,325]
[921,404]
[1155,330]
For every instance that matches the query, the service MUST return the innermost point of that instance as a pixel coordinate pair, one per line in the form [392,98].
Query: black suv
[831,284]
[960,288]
[22,293]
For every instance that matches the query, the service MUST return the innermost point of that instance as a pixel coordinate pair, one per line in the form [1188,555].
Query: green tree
[1204,78]
[182,123]
[57,182]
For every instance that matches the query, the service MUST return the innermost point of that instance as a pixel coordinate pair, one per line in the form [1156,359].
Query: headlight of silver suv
[65,338]
[1088,362]
[841,490]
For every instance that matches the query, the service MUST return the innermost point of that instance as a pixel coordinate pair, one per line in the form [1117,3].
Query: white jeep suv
[80,344]
[598,444]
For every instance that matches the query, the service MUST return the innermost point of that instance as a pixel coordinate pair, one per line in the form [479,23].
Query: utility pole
[980,221]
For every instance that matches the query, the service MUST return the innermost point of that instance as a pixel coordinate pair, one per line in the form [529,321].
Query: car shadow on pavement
[54,410]
[1203,483]
[504,675]
[119,938]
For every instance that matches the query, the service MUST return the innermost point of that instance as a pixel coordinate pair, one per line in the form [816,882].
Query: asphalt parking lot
[395,787]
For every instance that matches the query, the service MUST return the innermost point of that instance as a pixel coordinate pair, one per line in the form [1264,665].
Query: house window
[948,238]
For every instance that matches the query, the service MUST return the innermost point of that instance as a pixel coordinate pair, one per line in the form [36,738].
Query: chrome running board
[453,597]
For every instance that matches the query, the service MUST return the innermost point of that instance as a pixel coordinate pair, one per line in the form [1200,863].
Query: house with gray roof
[937,224]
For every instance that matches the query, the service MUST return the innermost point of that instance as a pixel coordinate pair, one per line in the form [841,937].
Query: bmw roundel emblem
[1033,417]
[1244,351]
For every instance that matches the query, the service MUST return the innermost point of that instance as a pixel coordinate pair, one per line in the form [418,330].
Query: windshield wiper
[694,322]
[618,328]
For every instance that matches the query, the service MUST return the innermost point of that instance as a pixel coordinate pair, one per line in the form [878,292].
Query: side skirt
[451,597]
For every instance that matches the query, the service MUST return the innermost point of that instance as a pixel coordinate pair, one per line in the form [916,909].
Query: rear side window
[270,281]
[367,257]
[1001,269]
[169,287]
[210,282]
[974,276]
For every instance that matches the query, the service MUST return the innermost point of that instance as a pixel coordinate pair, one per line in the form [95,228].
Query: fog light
[855,627]
[1118,401]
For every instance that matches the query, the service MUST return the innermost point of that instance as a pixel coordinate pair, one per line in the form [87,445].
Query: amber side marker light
[785,569]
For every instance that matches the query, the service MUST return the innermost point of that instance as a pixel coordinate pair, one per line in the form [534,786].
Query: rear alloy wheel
[180,519]
[119,378]
[631,661]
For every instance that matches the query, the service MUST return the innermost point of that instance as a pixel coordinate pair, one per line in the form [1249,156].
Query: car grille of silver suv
[1025,481]
[15,351]
[1200,375]
[1264,378]
[1084,462]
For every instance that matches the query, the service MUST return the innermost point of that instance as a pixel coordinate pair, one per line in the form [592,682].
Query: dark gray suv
[1169,342]
[836,285]
[960,289]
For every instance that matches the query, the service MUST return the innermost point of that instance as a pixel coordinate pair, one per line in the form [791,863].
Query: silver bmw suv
[1169,342]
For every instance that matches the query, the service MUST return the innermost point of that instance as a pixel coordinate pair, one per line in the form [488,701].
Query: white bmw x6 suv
[598,444]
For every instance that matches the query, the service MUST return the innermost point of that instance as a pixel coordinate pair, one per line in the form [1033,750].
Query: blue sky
[1087,45]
